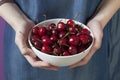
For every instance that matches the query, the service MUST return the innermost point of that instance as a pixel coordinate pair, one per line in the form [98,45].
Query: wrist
[20,24]
[14,16]
[24,26]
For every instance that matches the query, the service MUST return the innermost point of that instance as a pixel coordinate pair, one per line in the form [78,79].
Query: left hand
[97,30]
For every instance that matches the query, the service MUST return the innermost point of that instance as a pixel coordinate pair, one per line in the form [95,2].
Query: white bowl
[60,60]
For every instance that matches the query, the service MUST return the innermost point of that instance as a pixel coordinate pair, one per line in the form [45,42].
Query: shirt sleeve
[5,1]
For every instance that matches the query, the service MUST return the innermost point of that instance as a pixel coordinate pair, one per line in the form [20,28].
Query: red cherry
[53,38]
[73,40]
[46,40]
[64,47]
[62,34]
[72,50]
[62,41]
[42,31]
[57,51]
[46,49]
[35,30]
[37,44]
[79,28]
[85,31]
[71,22]
[85,39]
[54,32]
[51,26]
[73,30]
[81,48]
[35,38]
[61,26]
[66,53]
[49,32]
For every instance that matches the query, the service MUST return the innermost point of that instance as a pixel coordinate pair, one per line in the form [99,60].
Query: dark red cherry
[49,32]
[81,48]
[66,53]
[79,28]
[73,30]
[73,40]
[61,26]
[42,31]
[85,39]
[62,34]
[46,49]
[85,31]
[71,22]
[51,26]
[63,41]
[57,51]
[35,38]
[72,50]
[35,30]
[46,40]
[53,38]
[54,32]
[37,44]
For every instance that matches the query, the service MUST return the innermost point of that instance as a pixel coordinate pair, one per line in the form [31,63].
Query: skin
[21,24]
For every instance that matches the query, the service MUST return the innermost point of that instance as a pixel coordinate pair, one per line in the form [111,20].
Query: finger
[22,45]
[40,64]
[86,59]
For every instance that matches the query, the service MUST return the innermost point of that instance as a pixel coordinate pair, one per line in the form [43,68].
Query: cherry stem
[45,16]
[76,16]
[66,34]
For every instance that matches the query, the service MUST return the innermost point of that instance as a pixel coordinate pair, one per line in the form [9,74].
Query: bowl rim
[42,22]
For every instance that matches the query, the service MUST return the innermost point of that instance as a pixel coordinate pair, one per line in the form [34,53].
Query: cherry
[85,31]
[57,51]
[35,38]
[85,39]
[72,50]
[71,22]
[42,31]
[79,28]
[66,53]
[73,30]
[64,48]
[62,41]
[54,32]
[61,26]
[49,32]
[46,49]
[37,44]
[51,26]
[35,30]
[53,38]
[46,40]
[62,34]
[73,40]
[80,49]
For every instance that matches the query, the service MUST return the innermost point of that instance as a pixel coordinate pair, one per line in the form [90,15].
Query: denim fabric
[98,68]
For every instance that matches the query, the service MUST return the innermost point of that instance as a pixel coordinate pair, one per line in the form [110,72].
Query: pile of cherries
[61,39]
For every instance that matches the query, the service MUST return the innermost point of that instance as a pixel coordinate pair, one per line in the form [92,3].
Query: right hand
[21,41]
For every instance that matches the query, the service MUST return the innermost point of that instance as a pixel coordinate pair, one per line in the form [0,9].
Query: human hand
[21,41]
[97,30]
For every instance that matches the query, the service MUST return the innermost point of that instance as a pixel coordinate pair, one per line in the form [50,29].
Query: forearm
[106,10]
[13,15]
